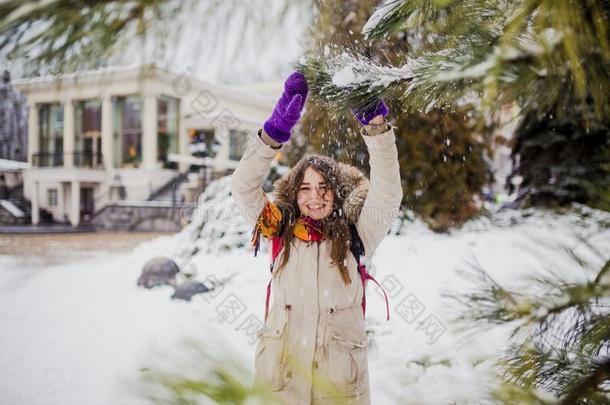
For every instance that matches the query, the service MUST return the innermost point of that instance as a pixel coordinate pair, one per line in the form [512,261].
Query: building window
[237,144]
[52,197]
[127,142]
[88,133]
[51,133]
[167,129]
[203,143]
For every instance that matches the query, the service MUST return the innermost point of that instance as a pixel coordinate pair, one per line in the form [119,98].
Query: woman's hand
[366,116]
[373,119]
[288,109]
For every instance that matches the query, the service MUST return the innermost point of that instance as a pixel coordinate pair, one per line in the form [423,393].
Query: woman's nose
[319,193]
[312,195]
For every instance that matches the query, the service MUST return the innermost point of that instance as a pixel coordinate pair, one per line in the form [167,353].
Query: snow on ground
[82,332]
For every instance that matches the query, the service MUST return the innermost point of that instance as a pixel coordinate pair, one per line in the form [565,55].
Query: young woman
[313,347]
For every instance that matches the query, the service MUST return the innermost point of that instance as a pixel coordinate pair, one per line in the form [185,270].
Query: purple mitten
[366,116]
[288,109]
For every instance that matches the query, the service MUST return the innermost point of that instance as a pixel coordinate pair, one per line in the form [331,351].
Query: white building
[143,124]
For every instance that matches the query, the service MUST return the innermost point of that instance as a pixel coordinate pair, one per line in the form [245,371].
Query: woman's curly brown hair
[335,226]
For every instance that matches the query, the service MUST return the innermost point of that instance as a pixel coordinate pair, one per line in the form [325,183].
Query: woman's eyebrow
[307,184]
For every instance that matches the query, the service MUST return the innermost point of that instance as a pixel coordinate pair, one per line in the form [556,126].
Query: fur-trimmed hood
[351,183]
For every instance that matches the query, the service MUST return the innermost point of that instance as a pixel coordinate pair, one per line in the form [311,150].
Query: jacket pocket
[347,358]
[271,356]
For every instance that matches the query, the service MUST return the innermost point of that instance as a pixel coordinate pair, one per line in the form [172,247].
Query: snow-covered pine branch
[497,50]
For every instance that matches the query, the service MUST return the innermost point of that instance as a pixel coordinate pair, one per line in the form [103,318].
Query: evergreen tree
[336,25]
[496,50]
[560,161]
[442,154]
[13,122]
[442,165]
[560,341]
[551,57]
[60,36]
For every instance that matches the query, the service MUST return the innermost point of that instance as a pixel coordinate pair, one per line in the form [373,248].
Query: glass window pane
[52,197]
[237,144]
[203,143]
[51,133]
[88,133]
[167,129]
[127,140]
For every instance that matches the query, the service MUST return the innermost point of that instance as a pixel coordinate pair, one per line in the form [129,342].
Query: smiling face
[314,197]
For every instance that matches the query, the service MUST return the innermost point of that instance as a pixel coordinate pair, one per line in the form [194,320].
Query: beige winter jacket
[313,348]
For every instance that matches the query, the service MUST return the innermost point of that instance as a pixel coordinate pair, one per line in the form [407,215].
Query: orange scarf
[269,223]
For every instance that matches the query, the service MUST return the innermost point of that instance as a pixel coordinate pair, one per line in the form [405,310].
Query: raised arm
[383,199]
[247,181]
[248,177]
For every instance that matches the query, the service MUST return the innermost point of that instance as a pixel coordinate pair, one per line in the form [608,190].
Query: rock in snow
[158,271]
[185,291]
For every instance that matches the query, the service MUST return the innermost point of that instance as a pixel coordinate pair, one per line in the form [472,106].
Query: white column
[107,133]
[75,203]
[149,132]
[35,203]
[183,138]
[69,142]
[33,136]
[61,208]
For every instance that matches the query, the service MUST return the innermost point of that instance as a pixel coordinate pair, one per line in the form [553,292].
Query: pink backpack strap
[276,246]
[364,275]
